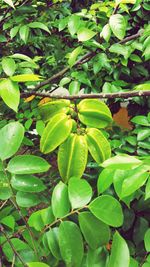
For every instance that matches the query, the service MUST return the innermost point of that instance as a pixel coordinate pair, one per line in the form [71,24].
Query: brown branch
[128,94]
[84,59]
[12,246]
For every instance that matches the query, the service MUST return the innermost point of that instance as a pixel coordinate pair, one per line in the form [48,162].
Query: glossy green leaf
[107,209]
[119,253]
[8,221]
[27,164]
[11,137]
[27,200]
[105,179]
[118,25]
[8,65]
[37,264]
[9,92]
[95,232]
[27,183]
[52,237]
[106,32]
[26,78]
[71,243]
[41,218]
[74,87]
[73,55]
[24,33]
[60,200]
[147,240]
[147,190]
[122,161]
[141,120]
[73,24]
[80,192]
[85,34]
[97,257]
[38,25]
[5,190]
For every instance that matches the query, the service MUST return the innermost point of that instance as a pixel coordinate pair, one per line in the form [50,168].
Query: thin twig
[128,94]
[12,246]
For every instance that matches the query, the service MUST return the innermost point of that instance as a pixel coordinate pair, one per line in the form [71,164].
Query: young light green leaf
[26,78]
[27,164]
[85,34]
[73,24]
[11,137]
[38,25]
[147,190]
[122,162]
[24,33]
[60,200]
[95,232]
[147,240]
[10,3]
[80,192]
[71,243]
[118,25]
[73,55]
[5,190]
[106,32]
[107,209]
[120,256]
[74,87]
[9,92]
[8,65]
[37,264]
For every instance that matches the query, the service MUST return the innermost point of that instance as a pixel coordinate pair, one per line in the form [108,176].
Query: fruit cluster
[75,130]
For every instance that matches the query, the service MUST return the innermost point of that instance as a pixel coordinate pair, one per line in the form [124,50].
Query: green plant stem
[64,217]
[12,246]
[125,95]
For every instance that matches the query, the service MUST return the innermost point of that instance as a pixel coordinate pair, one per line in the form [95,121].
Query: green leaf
[134,180]
[27,183]
[147,240]
[9,221]
[106,32]
[26,78]
[60,200]
[85,34]
[97,257]
[11,137]
[5,190]
[9,92]
[14,31]
[71,243]
[141,120]
[10,3]
[73,24]
[27,200]
[120,256]
[8,65]
[80,192]
[74,87]
[105,179]
[27,164]
[22,57]
[107,209]
[37,264]
[118,25]
[95,232]
[122,162]
[41,218]
[52,237]
[38,25]
[120,50]
[147,190]
[24,33]
[73,55]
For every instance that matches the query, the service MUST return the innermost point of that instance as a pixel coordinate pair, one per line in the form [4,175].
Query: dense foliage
[74,178]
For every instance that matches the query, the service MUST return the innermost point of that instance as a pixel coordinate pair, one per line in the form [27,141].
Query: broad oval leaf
[24,33]
[105,179]
[8,65]
[41,218]
[147,240]
[71,243]
[9,92]
[52,237]
[85,34]
[11,137]
[96,233]
[27,164]
[80,192]
[60,200]
[27,183]
[118,25]
[27,200]
[120,256]
[107,209]
[38,25]
[122,162]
